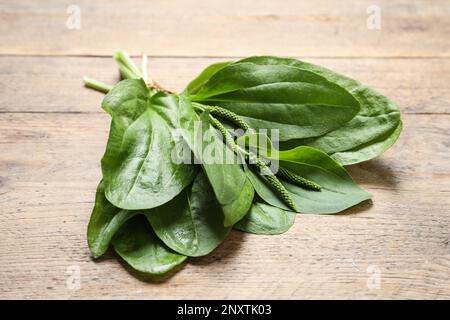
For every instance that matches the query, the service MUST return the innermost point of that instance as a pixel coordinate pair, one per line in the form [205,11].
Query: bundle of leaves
[156,210]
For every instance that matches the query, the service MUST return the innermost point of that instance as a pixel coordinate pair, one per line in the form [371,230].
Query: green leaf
[369,149]
[228,180]
[338,193]
[218,161]
[236,210]
[226,177]
[105,220]
[128,99]
[192,223]
[263,190]
[138,245]
[371,132]
[138,167]
[266,219]
[300,103]
[204,76]
[258,143]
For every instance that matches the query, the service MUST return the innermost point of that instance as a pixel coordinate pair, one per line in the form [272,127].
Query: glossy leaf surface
[266,219]
[139,246]
[105,220]
[192,223]
[371,132]
[138,169]
[299,103]
[338,193]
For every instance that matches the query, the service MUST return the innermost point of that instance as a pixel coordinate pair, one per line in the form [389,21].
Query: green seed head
[298,180]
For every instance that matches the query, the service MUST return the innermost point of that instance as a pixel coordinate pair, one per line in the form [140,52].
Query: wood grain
[319,28]
[53,133]
[49,168]
[54,84]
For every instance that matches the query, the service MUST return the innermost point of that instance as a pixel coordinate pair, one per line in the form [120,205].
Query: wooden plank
[54,84]
[231,28]
[49,168]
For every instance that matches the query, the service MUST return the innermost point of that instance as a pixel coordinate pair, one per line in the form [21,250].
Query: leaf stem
[97,85]
[144,67]
[126,66]
[127,73]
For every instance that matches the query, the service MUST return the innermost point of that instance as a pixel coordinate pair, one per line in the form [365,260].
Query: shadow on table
[225,252]
[377,172]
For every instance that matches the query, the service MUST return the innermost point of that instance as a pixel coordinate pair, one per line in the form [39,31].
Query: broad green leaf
[192,223]
[105,220]
[264,191]
[206,74]
[228,180]
[138,167]
[128,99]
[236,210]
[299,103]
[369,149]
[259,143]
[371,132]
[266,219]
[138,245]
[219,163]
[338,193]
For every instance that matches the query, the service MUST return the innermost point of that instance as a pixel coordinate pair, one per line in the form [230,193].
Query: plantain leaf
[266,219]
[264,191]
[372,131]
[219,163]
[236,210]
[298,102]
[192,223]
[105,220]
[227,178]
[369,149]
[127,100]
[204,76]
[139,171]
[338,193]
[138,245]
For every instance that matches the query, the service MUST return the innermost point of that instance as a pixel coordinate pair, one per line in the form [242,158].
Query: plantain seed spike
[269,176]
[225,134]
[229,115]
[273,181]
[298,180]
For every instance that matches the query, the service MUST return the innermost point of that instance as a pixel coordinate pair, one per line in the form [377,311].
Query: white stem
[144,66]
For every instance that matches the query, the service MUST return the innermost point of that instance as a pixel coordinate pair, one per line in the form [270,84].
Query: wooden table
[53,133]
